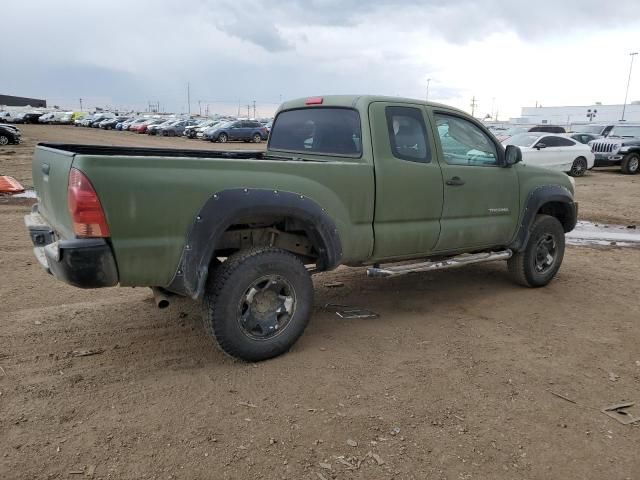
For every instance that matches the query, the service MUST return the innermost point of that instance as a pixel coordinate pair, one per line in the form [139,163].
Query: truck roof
[355,101]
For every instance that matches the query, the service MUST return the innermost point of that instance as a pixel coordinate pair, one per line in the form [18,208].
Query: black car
[9,135]
[110,123]
[548,129]
[28,118]
[585,137]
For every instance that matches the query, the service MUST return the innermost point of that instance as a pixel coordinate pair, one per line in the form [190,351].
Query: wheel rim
[257,138]
[578,168]
[545,256]
[222,138]
[4,140]
[634,163]
[266,308]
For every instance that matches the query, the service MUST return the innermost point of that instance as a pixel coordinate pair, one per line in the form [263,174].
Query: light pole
[626,95]
[428,82]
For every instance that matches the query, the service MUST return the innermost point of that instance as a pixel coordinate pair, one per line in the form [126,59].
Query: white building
[567,116]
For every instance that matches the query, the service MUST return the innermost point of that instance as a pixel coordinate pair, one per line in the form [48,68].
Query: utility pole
[626,95]
[474,104]
[199,108]
[189,97]
[254,109]
[80,104]
[248,111]
[428,82]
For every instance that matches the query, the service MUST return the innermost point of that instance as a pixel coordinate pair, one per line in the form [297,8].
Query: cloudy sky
[506,53]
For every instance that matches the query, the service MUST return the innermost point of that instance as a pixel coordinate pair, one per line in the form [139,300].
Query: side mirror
[540,145]
[512,155]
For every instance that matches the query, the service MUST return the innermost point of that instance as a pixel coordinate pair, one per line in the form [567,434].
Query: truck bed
[107,150]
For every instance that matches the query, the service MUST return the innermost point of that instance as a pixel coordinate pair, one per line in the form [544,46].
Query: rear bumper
[83,263]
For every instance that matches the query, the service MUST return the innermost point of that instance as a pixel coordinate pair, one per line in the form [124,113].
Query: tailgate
[50,179]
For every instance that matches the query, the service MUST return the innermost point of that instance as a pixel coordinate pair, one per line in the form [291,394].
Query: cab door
[481,197]
[408,180]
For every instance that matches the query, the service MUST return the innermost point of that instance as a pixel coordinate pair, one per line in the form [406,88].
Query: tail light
[84,206]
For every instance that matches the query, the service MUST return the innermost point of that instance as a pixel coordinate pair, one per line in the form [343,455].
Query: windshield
[595,129]
[321,130]
[625,131]
[523,140]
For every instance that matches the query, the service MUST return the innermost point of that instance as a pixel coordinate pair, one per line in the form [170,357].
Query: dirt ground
[455,379]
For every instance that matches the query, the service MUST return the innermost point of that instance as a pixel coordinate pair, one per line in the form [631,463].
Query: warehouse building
[580,114]
[11,101]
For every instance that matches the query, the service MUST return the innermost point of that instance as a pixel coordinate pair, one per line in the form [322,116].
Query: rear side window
[408,134]
[320,130]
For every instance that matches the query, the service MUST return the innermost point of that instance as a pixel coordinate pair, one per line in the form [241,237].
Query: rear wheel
[579,167]
[258,303]
[257,138]
[631,164]
[541,259]
[222,138]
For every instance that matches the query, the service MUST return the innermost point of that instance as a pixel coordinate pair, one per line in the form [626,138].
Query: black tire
[531,268]
[579,167]
[257,138]
[631,164]
[4,140]
[223,138]
[255,285]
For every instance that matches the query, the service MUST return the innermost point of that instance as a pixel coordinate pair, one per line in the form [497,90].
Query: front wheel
[631,164]
[579,167]
[4,140]
[222,138]
[258,303]
[541,259]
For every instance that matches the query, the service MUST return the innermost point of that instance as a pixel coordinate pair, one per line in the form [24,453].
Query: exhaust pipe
[161,297]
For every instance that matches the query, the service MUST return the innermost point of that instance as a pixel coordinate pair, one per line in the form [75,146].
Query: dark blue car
[246,130]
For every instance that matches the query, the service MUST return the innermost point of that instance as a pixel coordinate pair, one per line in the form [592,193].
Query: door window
[556,142]
[463,143]
[408,134]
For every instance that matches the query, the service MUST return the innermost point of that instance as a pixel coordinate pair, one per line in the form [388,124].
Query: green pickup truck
[345,180]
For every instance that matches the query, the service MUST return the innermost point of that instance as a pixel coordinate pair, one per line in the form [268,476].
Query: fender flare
[538,198]
[224,208]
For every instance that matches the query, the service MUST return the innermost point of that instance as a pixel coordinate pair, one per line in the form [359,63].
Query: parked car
[584,137]
[191,131]
[130,123]
[510,132]
[9,135]
[246,130]
[548,129]
[175,128]
[61,118]
[46,118]
[153,129]
[621,147]
[556,152]
[31,117]
[239,235]
[142,127]
[599,130]
[17,117]
[110,123]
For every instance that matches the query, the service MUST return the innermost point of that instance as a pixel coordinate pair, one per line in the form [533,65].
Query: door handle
[455,182]
[45,168]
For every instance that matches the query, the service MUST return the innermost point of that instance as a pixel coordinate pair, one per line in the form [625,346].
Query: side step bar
[451,262]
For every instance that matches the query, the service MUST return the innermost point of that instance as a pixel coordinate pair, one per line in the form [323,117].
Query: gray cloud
[231,50]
